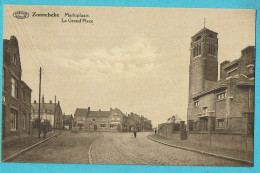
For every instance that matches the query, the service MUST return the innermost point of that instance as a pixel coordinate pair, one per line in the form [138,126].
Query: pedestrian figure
[155,131]
[44,130]
[135,133]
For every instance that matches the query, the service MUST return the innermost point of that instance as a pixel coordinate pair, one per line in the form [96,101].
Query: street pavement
[115,148]
[123,148]
[65,148]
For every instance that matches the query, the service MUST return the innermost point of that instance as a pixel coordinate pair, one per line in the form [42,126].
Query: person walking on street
[44,130]
[135,132]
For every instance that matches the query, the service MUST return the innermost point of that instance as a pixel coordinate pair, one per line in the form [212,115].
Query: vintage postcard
[128,85]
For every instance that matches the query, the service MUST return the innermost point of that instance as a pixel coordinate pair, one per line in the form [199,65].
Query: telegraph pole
[39,122]
[54,124]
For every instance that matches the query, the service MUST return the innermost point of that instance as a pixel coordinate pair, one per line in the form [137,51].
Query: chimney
[88,109]
[50,102]
[34,101]
[110,109]
[99,109]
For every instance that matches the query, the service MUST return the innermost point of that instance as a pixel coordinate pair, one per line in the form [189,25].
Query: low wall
[223,140]
[231,141]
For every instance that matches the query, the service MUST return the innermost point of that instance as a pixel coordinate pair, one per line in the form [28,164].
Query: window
[93,119]
[195,125]
[205,110]
[251,68]
[15,59]
[14,90]
[221,96]
[199,49]
[211,49]
[29,101]
[112,126]
[24,121]
[24,95]
[220,123]
[13,119]
[196,103]
[103,125]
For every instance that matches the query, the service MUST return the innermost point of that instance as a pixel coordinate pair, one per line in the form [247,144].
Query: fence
[233,132]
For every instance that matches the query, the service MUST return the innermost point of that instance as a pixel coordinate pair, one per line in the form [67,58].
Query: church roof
[204,30]
[48,107]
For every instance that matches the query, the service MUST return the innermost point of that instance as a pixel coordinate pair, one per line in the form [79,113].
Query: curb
[89,154]
[203,152]
[27,149]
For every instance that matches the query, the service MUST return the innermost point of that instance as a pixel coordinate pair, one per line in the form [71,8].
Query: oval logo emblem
[21,14]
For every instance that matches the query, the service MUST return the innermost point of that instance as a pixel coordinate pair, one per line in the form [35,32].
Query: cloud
[138,55]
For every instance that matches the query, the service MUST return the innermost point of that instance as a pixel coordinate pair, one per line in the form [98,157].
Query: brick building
[16,94]
[68,121]
[112,120]
[225,105]
[50,112]
[138,122]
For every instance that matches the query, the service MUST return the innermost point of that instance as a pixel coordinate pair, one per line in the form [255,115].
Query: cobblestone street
[123,148]
[65,148]
[115,148]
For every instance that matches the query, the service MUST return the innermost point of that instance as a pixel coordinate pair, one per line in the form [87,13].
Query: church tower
[203,69]
[203,61]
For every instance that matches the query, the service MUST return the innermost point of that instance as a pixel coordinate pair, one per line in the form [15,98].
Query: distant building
[112,120]
[174,119]
[50,112]
[138,122]
[223,105]
[16,94]
[68,121]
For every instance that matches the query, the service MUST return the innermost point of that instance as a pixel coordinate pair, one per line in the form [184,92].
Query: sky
[134,59]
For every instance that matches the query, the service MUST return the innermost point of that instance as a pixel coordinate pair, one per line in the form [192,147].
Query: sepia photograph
[128,85]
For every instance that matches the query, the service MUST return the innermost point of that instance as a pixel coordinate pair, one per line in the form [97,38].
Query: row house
[68,121]
[51,113]
[16,94]
[138,123]
[112,120]
[225,105]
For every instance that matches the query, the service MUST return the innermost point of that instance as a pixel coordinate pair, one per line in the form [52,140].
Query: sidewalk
[12,146]
[234,153]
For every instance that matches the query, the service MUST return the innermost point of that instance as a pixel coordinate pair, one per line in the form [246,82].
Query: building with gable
[50,112]
[112,120]
[16,94]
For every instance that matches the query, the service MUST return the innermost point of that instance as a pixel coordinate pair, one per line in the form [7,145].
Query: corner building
[16,94]
[225,105]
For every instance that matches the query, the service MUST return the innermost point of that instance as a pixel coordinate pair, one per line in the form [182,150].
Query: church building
[222,104]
